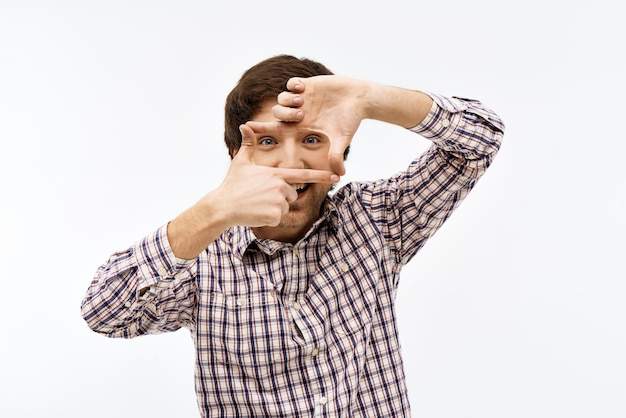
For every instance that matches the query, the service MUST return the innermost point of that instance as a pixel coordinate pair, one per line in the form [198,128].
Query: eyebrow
[290,128]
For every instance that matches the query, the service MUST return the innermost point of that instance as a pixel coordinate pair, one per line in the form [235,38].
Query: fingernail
[299,116]
[334,178]
[297,100]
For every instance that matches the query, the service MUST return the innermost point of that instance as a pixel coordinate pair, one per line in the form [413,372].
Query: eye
[267,141]
[311,140]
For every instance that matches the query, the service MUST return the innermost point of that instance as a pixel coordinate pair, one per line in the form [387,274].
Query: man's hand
[329,104]
[336,106]
[255,195]
[250,195]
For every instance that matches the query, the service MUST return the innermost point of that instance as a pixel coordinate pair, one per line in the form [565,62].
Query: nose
[290,156]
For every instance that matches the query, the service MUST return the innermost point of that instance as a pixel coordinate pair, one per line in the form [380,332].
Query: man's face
[293,149]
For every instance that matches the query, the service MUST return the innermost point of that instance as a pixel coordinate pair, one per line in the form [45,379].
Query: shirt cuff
[156,260]
[442,118]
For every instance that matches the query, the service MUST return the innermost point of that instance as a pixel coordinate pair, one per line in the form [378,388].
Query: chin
[295,220]
[303,213]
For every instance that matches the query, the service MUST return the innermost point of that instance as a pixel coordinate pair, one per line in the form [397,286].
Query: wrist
[194,229]
[213,211]
[372,100]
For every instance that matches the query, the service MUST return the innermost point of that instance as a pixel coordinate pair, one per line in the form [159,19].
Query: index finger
[306,175]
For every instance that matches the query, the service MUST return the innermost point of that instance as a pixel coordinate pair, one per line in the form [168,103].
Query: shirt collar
[239,238]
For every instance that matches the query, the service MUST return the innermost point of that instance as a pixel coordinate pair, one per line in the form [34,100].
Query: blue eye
[312,140]
[266,141]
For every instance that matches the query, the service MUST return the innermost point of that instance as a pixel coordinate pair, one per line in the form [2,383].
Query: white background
[111,124]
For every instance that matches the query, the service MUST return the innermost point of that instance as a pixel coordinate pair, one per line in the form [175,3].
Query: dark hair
[259,83]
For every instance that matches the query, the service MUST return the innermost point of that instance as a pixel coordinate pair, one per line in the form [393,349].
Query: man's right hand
[250,195]
[255,195]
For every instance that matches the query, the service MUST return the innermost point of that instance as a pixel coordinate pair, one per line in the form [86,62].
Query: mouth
[301,188]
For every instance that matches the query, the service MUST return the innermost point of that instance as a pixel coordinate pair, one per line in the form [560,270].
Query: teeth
[298,186]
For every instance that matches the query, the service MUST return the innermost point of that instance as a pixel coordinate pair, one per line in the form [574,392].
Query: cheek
[320,190]
[319,160]
[267,159]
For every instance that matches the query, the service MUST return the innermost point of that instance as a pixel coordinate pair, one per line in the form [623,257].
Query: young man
[287,290]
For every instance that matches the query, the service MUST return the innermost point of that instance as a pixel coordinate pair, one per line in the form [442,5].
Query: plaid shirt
[307,329]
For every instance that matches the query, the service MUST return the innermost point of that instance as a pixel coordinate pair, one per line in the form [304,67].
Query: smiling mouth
[300,188]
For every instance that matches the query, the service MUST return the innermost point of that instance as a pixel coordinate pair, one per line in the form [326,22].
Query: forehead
[264,113]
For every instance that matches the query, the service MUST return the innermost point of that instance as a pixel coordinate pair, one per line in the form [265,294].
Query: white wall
[111,124]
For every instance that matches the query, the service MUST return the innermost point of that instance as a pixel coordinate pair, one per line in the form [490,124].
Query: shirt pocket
[246,331]
[349,292]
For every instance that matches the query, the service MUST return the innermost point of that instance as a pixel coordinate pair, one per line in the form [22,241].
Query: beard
[303,213]
[307,209]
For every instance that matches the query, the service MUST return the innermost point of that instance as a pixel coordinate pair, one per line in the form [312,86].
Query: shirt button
[343,267]
[161,271]
[323,400]
[296,306]
[445,123]
[315,352]
[128,304]
[241,301]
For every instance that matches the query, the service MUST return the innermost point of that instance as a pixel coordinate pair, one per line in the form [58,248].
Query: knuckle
[283,189]
[309,176]
[274,216]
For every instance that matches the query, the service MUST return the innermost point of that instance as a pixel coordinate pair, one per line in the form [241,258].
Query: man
[287,290]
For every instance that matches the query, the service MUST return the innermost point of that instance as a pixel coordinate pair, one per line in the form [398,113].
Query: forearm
[466,136]
[122,298]
[402,107]
[465,129]
[193,230]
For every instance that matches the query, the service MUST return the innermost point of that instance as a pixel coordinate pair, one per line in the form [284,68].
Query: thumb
[336,152]
[246,150]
